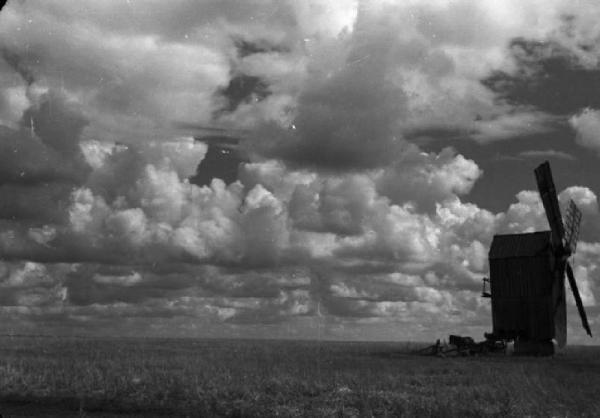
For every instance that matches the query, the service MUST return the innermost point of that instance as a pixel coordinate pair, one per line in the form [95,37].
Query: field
[71,377]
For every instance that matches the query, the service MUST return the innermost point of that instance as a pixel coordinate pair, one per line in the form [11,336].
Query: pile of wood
[463,346]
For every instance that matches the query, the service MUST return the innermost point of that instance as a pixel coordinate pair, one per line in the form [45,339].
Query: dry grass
[238,378]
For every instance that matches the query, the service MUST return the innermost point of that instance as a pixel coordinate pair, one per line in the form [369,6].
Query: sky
[328,169]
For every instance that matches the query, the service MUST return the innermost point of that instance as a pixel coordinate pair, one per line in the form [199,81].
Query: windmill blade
[572,222]
[560,317]
[577,297]
[545,184]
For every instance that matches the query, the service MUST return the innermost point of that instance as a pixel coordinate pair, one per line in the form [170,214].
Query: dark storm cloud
[58,125]
[345,115]
[222,160]
[46,147]
[395,76]
[17,63]
[548,76]
[341,123]
[26,160]
[40,163]
[43,202]
[243,89]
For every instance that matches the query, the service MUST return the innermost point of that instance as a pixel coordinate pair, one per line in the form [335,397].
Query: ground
[71,377]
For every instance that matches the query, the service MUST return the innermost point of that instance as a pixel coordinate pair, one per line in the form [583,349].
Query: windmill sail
[560,318]
[545,184]
[564,244]
[578,301]
[572,222]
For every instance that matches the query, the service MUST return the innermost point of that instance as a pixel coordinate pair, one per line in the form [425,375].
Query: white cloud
[587,127]
[129,225]
[96,152]
[527,215]
[87,211]
[587,201]
[385,228]
[583,197]
[511,125]
[426,179]
[30,274]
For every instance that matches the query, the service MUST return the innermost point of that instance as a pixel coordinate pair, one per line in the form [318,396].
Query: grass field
[62,377]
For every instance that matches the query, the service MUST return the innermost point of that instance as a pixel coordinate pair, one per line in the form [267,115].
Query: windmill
[527,278]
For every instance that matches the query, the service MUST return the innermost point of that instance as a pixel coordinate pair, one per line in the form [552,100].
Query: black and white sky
[286,168]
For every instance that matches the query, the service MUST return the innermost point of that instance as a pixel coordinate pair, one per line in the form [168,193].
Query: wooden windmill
[527,278]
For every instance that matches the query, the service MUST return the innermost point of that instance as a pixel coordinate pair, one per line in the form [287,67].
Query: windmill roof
[519,245]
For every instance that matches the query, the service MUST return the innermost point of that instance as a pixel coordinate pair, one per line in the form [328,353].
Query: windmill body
[524,290]
[527,279]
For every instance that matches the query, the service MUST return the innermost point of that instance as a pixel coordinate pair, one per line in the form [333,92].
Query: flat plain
[93,377]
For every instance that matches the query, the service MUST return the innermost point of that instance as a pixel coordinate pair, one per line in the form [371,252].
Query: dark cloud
[548,76]
[46,147]
[345,115]
[92,284]
[222,160]
[56,123]
[17,63]
[40,164]
[43,202]
[26,160]
[246,48]
[243,89]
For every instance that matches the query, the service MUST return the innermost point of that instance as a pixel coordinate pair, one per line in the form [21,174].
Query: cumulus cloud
[165,64]
[277,216]
[333,215]
[586,125]
[113,95]
[32,285]
[528,215]
[13,98]
[427,178]
[262,221]
[404,69]
[587,201]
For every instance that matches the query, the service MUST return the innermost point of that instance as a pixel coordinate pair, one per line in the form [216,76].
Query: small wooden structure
[523,288]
